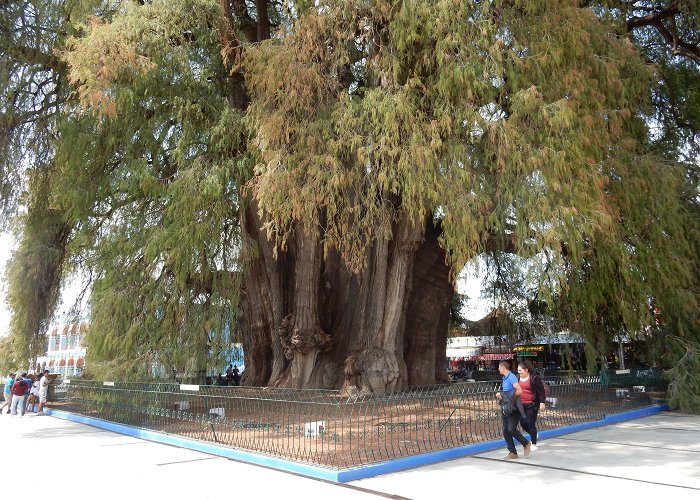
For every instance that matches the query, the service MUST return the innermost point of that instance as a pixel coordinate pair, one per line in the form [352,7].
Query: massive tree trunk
[309,321]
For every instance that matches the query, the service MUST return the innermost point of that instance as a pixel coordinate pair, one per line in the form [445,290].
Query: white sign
[108,384]
[217,412]
[189,387]
[314,429]
[66,381]
[182,405]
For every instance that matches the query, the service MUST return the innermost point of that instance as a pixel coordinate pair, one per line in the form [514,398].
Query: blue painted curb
[353,474]
[607,420]
[474,449]
[212,449]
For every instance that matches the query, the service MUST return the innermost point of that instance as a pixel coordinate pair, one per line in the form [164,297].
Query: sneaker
[527,448]
[511,456]
[533,447]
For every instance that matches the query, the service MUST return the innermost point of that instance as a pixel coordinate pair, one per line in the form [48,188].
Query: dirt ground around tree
[346,435]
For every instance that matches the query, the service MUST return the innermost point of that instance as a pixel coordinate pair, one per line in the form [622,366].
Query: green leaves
[462,103]
[521,127]
[151,177]
[517,127]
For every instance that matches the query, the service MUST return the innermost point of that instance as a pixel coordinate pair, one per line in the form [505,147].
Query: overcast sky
[6,245]
[469,284]
[69,293]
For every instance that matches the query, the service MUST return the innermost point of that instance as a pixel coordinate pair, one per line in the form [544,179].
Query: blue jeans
[8,402]
[17,400]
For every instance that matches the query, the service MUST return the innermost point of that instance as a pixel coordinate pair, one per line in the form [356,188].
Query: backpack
[546,387]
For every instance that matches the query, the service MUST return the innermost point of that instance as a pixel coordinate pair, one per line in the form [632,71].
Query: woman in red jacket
[533,399]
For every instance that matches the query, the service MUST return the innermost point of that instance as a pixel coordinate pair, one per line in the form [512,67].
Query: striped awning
[495,356]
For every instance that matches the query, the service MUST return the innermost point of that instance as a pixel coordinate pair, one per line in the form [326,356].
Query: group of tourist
[521,399]
[22,391]
[233,376]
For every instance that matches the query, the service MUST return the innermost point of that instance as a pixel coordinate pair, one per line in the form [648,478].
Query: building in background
[65,353]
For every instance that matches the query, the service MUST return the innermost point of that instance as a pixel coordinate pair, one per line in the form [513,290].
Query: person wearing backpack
[511,410]
[533,398]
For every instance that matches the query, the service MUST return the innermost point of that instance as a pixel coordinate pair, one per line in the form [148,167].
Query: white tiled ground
[654,457]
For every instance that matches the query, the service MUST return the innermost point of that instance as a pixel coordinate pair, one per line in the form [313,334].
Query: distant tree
[10,359]
[457,319]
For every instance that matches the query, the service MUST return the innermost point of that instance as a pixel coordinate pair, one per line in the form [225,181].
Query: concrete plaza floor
[652,457]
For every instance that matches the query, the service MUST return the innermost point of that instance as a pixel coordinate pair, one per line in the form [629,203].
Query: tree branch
[30,55]
[245,23]
[670,35]
[636,22]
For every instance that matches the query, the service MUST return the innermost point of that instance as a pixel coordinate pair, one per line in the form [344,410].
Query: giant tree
[323,171]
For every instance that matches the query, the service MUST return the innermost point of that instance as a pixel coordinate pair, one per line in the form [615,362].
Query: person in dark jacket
[533,399]
[236,376]
[511,410]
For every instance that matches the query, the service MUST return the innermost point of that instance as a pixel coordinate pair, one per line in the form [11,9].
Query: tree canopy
[561,134]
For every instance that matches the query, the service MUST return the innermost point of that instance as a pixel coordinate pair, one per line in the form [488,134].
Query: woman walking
[532,397]
[512,410]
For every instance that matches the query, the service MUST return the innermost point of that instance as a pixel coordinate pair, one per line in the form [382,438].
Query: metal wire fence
[325,428]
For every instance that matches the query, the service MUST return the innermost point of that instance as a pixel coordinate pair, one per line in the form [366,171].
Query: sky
[469,283]
[68,294]
[6,246]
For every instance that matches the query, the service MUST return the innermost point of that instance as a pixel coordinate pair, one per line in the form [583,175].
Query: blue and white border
[343,475]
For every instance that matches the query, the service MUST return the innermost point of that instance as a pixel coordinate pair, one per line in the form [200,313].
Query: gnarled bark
[311,322]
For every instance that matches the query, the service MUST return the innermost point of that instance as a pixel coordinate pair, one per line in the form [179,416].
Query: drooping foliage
[497,121]
[165,275]
[561,132]
[34,93]
[522,124]
[667,33]
[161,213]
[35,272]
[642,279]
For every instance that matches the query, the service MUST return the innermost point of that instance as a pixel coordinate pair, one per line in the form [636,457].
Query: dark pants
[528,423]
[510,431]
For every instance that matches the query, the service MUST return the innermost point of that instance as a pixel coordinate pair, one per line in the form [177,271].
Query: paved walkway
[653,457]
